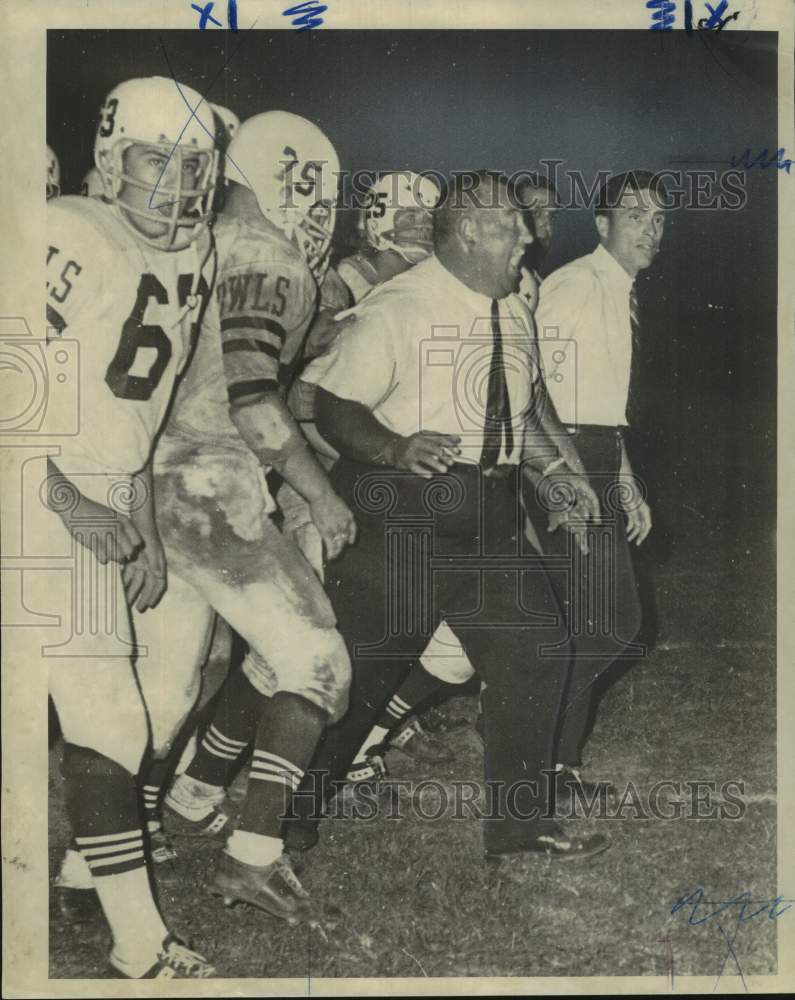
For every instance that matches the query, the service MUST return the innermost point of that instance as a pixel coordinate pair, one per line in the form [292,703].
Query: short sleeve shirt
[419,355]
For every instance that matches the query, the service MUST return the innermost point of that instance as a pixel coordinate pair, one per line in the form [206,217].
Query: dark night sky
[455,100]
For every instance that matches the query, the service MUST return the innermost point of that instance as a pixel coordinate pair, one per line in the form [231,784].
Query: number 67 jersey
[134,311]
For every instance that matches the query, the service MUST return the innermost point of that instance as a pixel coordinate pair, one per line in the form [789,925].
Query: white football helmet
[229,119]
[397,214]
[53,175]
[158,112]
[92,186]
[293,170]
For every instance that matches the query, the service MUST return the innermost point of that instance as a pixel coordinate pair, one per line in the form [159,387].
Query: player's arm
[269,429]
[258,334]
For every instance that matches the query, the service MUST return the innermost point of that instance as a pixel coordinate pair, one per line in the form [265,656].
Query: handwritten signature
[695,900]
[749,909]
[762,160]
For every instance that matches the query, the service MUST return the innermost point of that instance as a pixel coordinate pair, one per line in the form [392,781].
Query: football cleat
[412,740]
[161,849]
[372,770]
[213,826]
[175,961]
[273,888]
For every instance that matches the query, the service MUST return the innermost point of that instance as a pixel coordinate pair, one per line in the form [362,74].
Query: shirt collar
[615,274]
[438,273]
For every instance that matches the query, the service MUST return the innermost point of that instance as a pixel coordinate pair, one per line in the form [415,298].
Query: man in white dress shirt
[587,322]
[430,398]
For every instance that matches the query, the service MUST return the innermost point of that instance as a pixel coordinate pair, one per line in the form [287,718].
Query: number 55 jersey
[134,312]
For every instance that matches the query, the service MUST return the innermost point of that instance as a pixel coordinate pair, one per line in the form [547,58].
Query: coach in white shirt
[588,330]
[429,397]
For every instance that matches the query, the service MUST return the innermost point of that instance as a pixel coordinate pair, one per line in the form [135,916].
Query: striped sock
[151,797]
[266,766]
[272,782]
[417,686]
[233,728]
[102,802]
[396,710]
[223,747]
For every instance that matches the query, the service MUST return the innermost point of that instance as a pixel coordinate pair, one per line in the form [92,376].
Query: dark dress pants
[598,591]
[450,548]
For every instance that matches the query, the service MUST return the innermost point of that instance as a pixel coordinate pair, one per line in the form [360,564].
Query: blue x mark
[205,15]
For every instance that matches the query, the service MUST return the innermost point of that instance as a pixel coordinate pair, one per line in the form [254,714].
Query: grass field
[412,898]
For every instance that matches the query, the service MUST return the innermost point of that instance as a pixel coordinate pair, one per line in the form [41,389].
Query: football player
[230,428]
[127,278]
[53,175]
[396,228]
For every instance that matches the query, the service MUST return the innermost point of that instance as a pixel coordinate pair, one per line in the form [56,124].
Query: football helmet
[397,214]
[53,175]
[157,112]
[293,170]
[229,120]
[92,186]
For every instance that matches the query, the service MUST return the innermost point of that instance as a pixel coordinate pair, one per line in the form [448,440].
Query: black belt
[601,430]
[497,472]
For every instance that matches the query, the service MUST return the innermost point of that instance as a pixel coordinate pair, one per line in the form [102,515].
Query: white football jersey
[134,312]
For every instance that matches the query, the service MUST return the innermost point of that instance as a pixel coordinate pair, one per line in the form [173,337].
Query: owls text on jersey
[134,313]
[252,341]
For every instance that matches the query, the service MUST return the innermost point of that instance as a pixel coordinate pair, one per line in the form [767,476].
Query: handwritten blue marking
[715,15]
[696,899]
[762,160]
[689,16]
[309,15]
[205,15]
[663,14]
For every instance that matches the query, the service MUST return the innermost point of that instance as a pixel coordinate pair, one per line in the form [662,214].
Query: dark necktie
[498,404]
[634,368]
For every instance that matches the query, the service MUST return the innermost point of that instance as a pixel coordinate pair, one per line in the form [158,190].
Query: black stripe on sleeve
[250,344]
[240,389]
[54,318]
[254,323]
